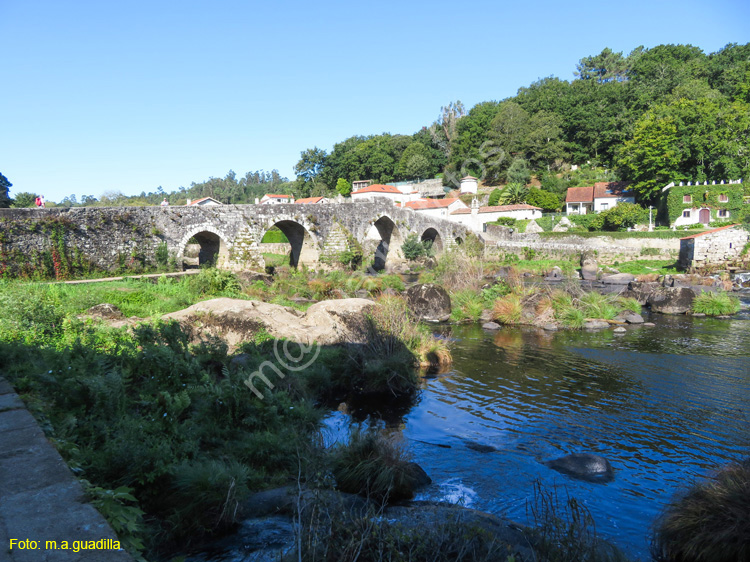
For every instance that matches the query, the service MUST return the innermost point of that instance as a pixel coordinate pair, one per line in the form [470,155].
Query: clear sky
[129,96]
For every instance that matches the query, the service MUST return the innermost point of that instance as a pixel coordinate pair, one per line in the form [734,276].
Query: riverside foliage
[161,426]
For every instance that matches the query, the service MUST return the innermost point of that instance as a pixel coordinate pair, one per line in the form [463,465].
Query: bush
[623,216]
[412,247]
[374,466]
[508,309]
[709,522]
[716,304]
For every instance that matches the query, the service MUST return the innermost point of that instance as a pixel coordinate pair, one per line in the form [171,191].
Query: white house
[203,202]
[385,191]
[597,198]
[274,199]
[436,207]
[469,184]
[476,217]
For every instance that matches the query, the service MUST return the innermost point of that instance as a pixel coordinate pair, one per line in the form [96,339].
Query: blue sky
[128,96]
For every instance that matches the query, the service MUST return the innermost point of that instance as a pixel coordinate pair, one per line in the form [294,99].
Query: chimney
[188,202]
[257,201]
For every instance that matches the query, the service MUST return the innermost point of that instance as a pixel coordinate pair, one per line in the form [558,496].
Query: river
[667,405]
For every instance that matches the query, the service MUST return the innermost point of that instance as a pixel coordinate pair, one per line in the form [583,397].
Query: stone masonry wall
[716,247]
[108,235]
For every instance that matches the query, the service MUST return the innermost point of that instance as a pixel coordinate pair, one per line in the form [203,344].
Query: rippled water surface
[666,404]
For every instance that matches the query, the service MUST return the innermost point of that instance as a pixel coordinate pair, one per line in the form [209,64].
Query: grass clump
[375,466]
[709,522]
[466,305]
[565,530]
[508,309]
[716,304]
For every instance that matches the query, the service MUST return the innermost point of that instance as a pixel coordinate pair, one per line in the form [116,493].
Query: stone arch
[209,247]
[386,239]
[433,236]
[304,244]
[458,240]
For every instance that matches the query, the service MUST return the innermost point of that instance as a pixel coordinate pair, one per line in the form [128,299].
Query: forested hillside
[669,113]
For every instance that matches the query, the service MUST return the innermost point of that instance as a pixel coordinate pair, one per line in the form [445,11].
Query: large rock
[584,466]
[589,267]
[633,318]
[104,310]
[555,274]
[429,302]
[327,323]
[671,300]
[595,324]
[533,228]
[641,290]
[618,279]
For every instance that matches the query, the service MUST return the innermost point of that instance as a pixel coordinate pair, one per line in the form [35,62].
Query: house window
[723,198]
[722,213]
[686,214]
[687,198]
[604,206]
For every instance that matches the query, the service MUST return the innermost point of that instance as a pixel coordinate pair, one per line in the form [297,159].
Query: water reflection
[665,404]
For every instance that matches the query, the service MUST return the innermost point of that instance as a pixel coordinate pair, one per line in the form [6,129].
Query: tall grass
[716,304]
[708,522]
[595,305]
[508,309]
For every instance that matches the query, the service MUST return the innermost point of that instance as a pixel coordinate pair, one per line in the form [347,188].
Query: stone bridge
[229,235]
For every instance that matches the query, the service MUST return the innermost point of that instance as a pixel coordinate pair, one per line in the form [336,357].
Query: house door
[704,216]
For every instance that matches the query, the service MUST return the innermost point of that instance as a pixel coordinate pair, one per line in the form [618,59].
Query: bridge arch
[203,245]
[433,236]
[305,249]
[386,239]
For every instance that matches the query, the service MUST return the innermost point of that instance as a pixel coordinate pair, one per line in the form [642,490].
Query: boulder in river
[584,466]
[429,302]
[671,300]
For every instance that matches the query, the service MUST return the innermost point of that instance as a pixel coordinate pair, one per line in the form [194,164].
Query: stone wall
[231,234]
[500,239]
[718,246]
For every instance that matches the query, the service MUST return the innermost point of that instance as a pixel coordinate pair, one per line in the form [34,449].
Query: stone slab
[15,419]
[57,513]
[5,387]
[10,402]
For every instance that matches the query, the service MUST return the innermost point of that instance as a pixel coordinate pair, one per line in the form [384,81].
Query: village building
[360,184]
[312,200]
[275,199]
[696,203]
[712,246]
[469,184]
[436,207]
[432,188]
[476,217]
[389,192]
[203,201]
[597,198]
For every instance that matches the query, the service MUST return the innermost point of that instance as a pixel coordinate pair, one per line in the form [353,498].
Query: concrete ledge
[40,499]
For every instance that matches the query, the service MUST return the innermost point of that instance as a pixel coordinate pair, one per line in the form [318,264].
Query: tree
[25,200]
[415,162]
[605,67]
[549,202]
[309,168]
[543,144]
[343,187]
[5,185]
[494,198]
[513,194]
[444,131]
[518,172]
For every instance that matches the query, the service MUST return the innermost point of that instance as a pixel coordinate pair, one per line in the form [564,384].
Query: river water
[667,405]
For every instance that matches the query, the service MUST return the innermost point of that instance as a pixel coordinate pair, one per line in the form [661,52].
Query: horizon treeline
[653,116]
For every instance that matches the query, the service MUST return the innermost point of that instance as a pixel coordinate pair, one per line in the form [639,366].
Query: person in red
[38,201]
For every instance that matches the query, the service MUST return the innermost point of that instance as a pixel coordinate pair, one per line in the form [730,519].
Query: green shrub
[595,305]
[213,281]
[710,521]
[622,216]
[716,304]
[412,247]
[374,466]
[467,305]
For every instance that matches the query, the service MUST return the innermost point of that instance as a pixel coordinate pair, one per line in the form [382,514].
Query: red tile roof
[307,200]
[580,195]
[499,209]
[197,201]
[377,188]
[421,204]
[275,196]
[601,189]
[708,232]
